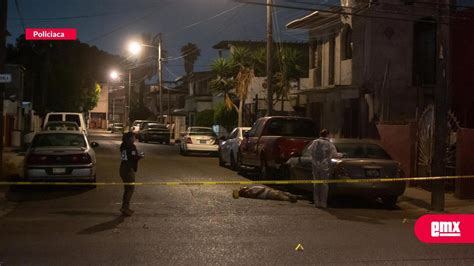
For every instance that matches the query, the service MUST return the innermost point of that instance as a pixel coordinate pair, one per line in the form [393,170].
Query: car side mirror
[94,144]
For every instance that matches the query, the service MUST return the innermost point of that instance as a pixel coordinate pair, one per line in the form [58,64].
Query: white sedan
[60,156]
[199,139]
[230,146]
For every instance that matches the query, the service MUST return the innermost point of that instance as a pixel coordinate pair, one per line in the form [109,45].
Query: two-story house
[370,61]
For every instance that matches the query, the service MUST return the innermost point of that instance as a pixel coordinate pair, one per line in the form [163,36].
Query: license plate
[202,141]
[59,170]
[372,173]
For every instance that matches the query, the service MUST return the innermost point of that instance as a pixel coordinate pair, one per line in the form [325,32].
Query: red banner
[445,228]
[50,34]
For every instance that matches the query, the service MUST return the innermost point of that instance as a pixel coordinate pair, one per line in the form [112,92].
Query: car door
[302,170]
[249,144]
[228,144]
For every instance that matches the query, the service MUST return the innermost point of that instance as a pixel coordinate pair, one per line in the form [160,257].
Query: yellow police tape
[235,182]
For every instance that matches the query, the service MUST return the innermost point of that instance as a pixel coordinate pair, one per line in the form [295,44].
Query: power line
[204,20]
[377,10]
[339,12]
[20,14]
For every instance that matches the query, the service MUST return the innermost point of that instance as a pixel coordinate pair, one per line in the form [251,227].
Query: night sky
[110,24]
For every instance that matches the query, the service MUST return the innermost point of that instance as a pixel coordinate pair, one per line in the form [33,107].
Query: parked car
[229,147]
[361,159]
[116,127]
[60,155]
[61,126]
[154,132]
[271,141]
[78,118]
[138,124]
[199,139]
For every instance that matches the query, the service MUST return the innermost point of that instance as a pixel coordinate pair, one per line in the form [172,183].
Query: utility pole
[127,121]
[3,53]
[441,110]
[160,77]
[269,58]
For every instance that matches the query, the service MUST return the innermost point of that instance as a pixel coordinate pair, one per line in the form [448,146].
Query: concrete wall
[464,188]
[400,142]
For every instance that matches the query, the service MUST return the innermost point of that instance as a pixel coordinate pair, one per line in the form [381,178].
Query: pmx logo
[445,229]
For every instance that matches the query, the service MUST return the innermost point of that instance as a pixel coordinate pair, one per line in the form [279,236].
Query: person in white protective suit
[322,151]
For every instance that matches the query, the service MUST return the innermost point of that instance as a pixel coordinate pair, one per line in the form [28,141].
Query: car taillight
[36,159]
[80,158]
[189,141]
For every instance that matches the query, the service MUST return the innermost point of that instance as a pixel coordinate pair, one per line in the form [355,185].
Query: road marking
[237,182]
[299,247]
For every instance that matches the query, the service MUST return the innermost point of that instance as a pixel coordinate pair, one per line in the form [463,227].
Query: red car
[272,141]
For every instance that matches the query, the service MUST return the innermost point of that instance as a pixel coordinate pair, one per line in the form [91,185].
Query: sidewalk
[418,199]
[12,166]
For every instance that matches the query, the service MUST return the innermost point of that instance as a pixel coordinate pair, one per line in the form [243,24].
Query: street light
[135,48]
[114,75]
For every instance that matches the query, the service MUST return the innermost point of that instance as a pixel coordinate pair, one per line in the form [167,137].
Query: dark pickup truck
[272,141]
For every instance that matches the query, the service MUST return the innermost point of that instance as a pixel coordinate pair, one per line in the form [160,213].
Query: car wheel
[233,164]
[389,201]
[240,169]
[221,161]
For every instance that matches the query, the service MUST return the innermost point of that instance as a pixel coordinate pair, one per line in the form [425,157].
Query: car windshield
[61,126]
[293,128]
[60,139]
[362,150]
[156,126]
[201,132]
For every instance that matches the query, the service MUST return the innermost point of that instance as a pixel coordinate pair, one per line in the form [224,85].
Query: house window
[346,42]
[332,44]
[424,53]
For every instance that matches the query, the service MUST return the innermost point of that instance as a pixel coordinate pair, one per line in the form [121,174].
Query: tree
[225,117]
[190,53]
[290,71]
[205,118]
[233,76]
[61,75]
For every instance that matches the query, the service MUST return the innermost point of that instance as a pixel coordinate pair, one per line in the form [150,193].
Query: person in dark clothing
[128,167]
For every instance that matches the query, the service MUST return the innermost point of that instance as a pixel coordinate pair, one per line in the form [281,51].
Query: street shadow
[105,226]
[38,193]
[86,213]
[417,202]
[342,215]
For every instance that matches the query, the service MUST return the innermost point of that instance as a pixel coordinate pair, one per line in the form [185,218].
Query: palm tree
[291,70]
[233,77]
[190,53]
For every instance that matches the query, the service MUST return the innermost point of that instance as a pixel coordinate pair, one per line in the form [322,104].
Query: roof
[315,19]
[226,44]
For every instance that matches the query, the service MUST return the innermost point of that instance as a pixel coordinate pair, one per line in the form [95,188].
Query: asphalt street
[202,224]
